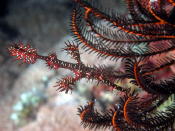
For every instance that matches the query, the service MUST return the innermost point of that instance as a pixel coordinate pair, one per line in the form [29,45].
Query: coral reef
[143,40]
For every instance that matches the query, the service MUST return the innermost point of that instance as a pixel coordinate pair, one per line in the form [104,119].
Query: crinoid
[145,41]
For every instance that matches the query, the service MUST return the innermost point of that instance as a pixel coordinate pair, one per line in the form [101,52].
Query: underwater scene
[85,65]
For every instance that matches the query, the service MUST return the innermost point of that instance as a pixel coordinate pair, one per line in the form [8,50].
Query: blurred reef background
[28,100]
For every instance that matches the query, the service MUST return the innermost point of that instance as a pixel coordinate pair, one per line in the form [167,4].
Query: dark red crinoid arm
[149,22]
